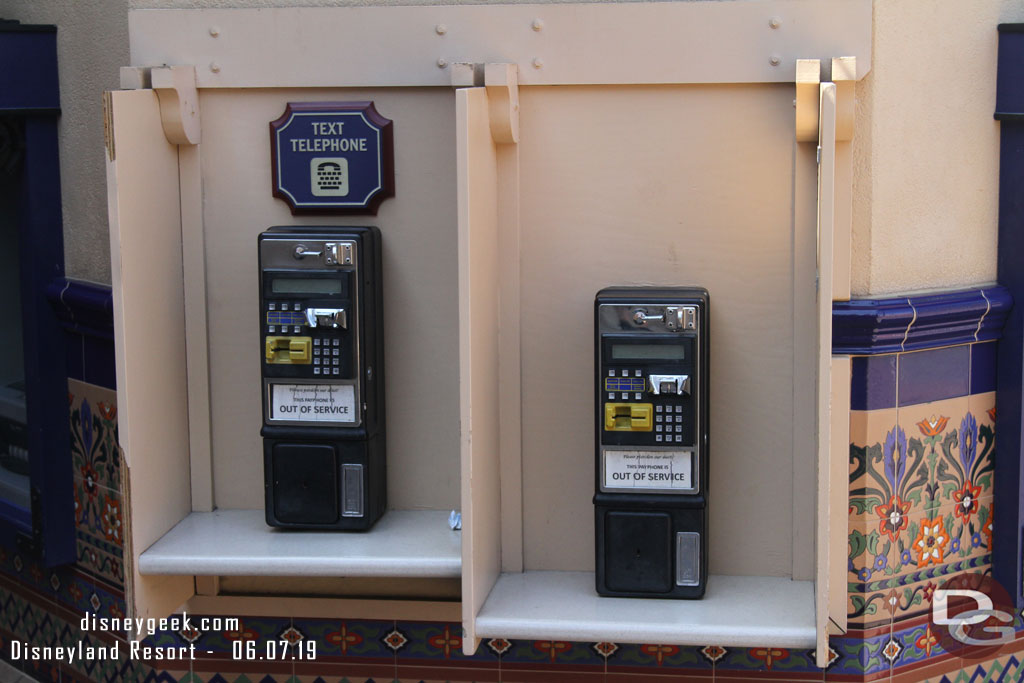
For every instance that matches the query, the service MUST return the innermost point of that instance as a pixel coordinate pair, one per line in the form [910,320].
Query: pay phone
[323,377]
[650,500]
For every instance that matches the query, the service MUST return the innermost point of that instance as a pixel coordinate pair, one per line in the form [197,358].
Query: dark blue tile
[861,656]
[779,659]
[75,355]
[983,367]
[342,638]
[628,656]
[437,641]
[926,376]
[873,382]
[99,362]
[552,652]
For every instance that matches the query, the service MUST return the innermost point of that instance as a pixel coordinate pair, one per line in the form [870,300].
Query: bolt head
[441,62]
[538,63]
[214,31]
[537,24]
[775,60]
[775,22]
[441,29]
[215,67]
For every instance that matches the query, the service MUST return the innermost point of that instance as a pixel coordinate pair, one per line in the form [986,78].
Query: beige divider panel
[672,185]
[478,354]
[823,585]
[149,338]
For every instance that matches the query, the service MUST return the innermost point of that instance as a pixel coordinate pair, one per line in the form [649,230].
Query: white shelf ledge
[739,611]
[403,543]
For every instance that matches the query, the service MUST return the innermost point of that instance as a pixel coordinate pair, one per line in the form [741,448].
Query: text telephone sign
[651,441]
[322,377]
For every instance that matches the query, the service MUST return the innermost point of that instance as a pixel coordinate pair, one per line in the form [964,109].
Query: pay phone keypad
[668,416]
[286,318]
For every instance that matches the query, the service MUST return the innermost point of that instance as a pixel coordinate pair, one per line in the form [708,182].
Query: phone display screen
[648,351]
[294,285]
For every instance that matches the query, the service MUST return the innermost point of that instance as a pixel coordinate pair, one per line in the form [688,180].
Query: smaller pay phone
[322,360]
[650,501]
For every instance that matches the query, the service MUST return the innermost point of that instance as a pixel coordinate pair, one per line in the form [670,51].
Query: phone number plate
[313,403]
[648,469]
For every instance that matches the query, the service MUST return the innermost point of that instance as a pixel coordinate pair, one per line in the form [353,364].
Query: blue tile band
[983,367]
[934,375]
[86,312]
[873,382]
[873,326]
[83,307]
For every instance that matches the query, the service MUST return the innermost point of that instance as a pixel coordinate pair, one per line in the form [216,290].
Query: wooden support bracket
[175,86]
[502,83]
[467,75]
[808,76]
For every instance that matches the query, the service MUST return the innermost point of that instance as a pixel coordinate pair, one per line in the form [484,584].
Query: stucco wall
[92,43]
[927,148]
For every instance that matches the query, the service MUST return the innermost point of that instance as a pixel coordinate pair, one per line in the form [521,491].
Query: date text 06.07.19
[273,650]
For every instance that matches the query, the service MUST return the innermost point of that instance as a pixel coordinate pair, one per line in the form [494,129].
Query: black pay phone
[650,501]
[321,346]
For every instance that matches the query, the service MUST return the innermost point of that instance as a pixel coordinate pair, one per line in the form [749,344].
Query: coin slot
[289,350]
[628,417]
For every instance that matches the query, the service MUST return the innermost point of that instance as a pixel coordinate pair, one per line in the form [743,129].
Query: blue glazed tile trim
[934,375]
[983,367]
[873,382]
[83,307]
[872,326]
[86,312]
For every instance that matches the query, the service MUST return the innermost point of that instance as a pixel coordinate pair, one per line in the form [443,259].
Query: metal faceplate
[662,460]
[325,255]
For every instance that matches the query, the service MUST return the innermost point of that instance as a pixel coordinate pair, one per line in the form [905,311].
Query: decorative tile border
[871,326]
[924,467]
[96,464]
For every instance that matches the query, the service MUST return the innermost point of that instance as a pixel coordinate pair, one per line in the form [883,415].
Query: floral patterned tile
[931,431]
[868,431]
[952,533]
[914,599]
[894,477]
[99,530]
[920,643]
[983,408]
[958,457]
[869,575]
[95,454]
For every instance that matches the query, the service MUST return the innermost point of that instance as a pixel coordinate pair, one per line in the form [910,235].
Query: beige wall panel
[926,147]
[673,186]
[420,287]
